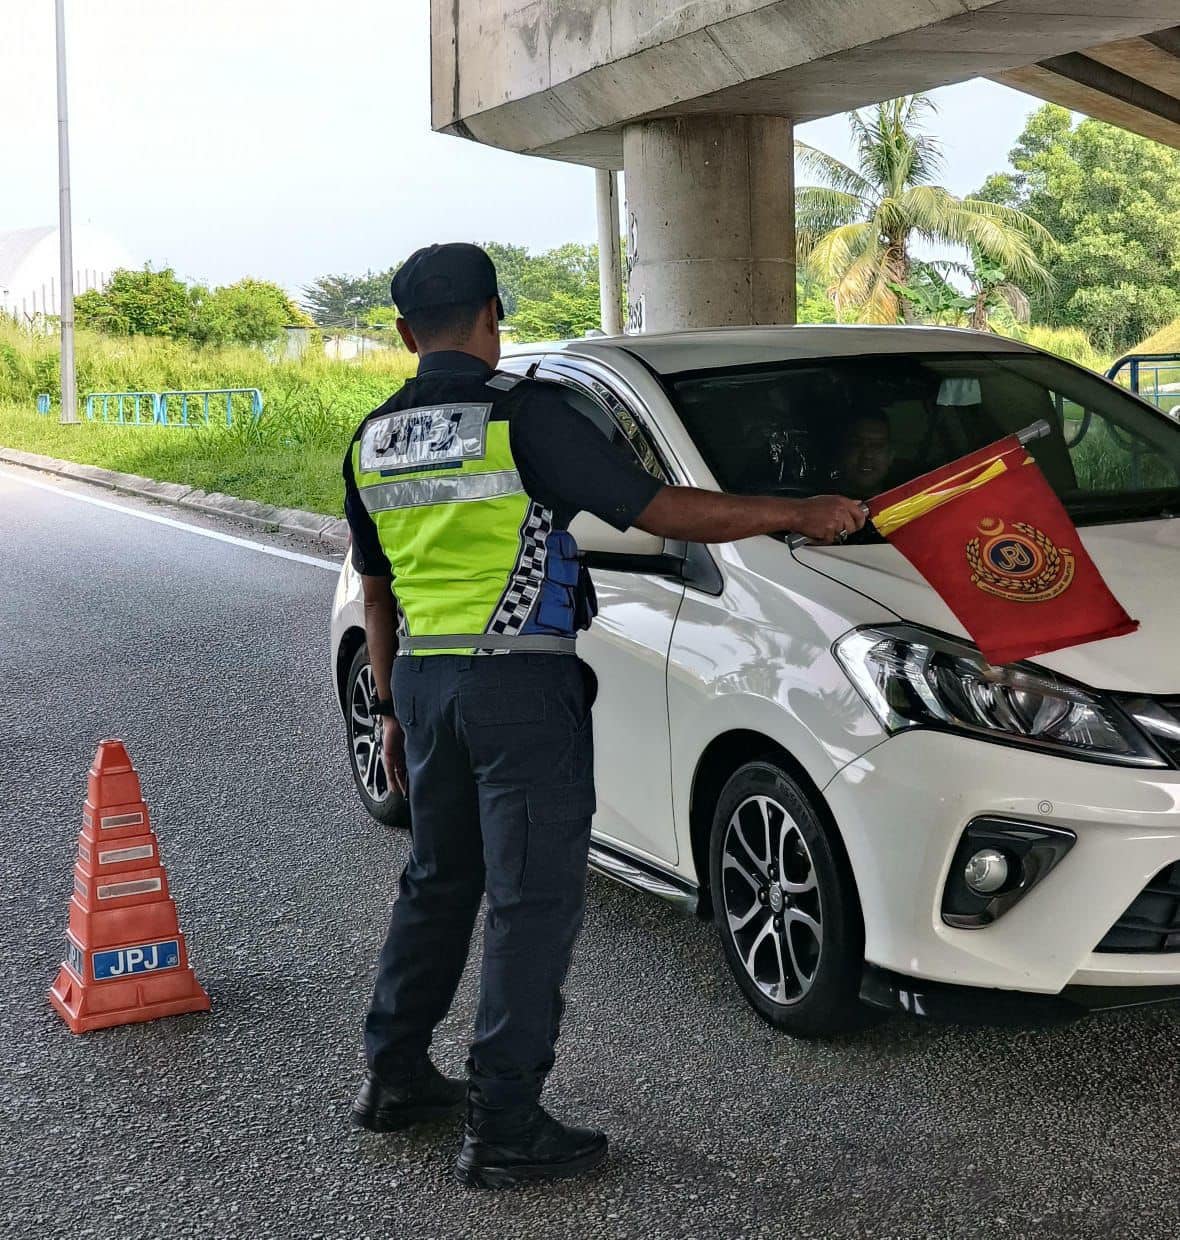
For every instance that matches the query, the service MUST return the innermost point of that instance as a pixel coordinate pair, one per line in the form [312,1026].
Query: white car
[801,742]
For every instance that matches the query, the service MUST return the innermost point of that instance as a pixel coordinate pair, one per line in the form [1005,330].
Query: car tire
[785,905]
[378,796]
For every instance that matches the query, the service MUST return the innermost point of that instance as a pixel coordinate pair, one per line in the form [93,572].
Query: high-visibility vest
[473,555]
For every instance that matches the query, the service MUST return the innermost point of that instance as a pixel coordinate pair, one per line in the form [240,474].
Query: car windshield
[860,425]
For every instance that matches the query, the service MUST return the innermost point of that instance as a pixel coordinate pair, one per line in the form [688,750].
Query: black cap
[445,275]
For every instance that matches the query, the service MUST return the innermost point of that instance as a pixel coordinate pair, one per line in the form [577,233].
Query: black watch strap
[383,706]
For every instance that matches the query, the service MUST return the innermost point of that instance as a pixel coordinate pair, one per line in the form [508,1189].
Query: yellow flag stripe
[891,519]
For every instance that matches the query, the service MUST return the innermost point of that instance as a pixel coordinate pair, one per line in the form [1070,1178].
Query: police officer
[459,491]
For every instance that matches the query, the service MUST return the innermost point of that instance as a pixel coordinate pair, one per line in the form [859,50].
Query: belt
[522,643]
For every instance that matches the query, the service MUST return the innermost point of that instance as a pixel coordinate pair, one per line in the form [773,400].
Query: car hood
[1139,560]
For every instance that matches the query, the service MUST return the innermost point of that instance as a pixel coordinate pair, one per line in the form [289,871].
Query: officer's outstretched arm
[711,516]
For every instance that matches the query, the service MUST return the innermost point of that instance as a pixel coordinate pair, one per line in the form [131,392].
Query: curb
[331,531]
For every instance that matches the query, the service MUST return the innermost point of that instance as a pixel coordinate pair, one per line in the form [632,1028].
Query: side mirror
[594,538]
[635,551]
[632,551]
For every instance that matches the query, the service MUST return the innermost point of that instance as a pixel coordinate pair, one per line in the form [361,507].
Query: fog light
[986,871]
[998,861]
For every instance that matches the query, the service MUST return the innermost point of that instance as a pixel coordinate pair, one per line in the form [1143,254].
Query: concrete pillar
[610,256]
[710,222]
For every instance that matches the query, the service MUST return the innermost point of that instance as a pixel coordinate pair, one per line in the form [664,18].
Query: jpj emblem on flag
[1022,564]
[990,535]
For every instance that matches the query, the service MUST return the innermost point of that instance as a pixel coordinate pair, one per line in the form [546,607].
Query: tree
[336,300]
[247,312]
[1108,198]
[562,316]
[138,303]
[512,264]
[545,296]
[381,316]
[855,227]
[555,292]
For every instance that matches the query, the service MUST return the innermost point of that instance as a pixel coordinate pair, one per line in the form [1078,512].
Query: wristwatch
[382,706]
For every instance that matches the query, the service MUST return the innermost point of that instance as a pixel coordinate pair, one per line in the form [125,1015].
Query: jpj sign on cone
[989,534]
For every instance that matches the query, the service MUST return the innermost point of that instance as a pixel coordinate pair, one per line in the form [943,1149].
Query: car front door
[627,646]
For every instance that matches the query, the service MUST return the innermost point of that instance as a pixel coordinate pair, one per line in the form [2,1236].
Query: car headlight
[911,678]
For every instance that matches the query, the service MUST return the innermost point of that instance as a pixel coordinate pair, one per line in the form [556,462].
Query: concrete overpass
[696,101]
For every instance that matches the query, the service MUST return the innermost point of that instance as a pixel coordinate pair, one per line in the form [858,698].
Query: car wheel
[380,798]
[785,905]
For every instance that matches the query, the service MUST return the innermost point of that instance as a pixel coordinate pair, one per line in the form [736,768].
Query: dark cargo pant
[501,763]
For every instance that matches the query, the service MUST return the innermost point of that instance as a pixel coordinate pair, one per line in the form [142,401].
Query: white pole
[610,258]
[69,392]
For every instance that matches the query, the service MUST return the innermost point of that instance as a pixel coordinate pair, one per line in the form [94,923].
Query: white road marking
[333,566]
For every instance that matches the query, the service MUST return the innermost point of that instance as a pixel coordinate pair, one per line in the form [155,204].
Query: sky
[286,139]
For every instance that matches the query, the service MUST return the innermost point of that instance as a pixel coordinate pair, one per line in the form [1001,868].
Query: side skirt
[643,876]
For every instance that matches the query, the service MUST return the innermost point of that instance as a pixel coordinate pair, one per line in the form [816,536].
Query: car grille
[1152,923]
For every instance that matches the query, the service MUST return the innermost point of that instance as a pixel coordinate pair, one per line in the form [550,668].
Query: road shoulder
[316,527]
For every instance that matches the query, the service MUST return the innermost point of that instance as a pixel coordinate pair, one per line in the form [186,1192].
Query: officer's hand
[393,752]
[828,518]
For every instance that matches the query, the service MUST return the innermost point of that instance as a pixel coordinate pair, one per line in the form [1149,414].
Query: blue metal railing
[42,402]
[1152,376]
[135,406]
[121,399]
[229,393]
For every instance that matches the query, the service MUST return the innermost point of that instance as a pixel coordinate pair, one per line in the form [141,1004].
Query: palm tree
[854,227]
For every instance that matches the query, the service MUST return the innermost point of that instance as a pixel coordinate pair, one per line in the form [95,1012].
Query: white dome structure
[30,267]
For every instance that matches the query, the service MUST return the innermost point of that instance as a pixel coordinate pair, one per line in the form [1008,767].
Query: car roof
[671,352]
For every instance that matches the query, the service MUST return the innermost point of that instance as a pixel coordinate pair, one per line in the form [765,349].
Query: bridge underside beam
[563,78]
[1134,83]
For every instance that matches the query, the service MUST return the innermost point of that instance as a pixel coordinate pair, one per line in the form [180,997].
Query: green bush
[246,312]
[142,303]
[156,303]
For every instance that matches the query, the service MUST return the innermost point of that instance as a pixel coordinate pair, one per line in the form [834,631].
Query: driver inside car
[865,457]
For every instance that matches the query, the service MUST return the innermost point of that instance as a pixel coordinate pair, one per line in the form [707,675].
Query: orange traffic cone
[125,956]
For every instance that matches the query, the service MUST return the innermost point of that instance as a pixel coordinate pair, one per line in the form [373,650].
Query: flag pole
[1039,429]
[69,392]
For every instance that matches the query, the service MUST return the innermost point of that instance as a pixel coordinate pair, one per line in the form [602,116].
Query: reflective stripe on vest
[525,643]
[417,492]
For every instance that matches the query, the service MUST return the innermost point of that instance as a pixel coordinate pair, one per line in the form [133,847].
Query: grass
[290,456]
[1166,340]
[1069,342]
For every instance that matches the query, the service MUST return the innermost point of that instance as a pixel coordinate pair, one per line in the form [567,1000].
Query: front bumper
[973,1005]
[902,808]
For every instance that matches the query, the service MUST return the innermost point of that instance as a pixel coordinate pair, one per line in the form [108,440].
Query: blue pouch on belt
[566,593]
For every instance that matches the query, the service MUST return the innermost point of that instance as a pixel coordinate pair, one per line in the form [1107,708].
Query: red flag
[990,535]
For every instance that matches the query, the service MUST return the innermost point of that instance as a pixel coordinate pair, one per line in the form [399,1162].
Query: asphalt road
[209,660]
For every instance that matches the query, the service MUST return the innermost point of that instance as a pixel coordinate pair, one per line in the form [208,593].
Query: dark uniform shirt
[564,462]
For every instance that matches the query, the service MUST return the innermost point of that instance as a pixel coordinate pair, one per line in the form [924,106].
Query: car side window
[611,417]
[1108,458]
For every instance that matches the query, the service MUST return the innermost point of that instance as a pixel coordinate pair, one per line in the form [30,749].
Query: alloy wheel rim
[771,900]
[365,727]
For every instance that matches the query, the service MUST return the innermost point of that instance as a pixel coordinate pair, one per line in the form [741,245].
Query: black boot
[386,1106]
[539,1148]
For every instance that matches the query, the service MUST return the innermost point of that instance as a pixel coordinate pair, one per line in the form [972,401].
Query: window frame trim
[599,384]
